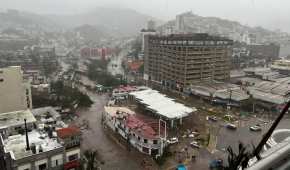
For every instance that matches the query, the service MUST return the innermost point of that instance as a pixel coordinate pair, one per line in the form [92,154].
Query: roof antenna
[26,134]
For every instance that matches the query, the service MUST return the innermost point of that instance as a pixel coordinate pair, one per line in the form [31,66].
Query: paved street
[228,137]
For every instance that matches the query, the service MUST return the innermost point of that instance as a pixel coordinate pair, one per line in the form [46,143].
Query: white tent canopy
[161,104]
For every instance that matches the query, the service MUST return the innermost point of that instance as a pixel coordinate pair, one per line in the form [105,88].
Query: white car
[172,140]
[256,128]
[191,135]
[195,144]
[231,126]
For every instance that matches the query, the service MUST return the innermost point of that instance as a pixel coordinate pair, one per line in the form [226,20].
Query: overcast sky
[273,14]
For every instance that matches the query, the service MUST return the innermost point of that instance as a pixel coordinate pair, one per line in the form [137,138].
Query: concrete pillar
[180,121]
[171,123]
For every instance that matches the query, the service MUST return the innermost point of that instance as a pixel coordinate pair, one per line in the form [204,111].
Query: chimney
[26,134]
[33,148]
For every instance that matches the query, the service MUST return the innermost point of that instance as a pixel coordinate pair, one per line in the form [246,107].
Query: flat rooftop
[16,144]
[16,118]
[113,110]
[220,90]
[161,104]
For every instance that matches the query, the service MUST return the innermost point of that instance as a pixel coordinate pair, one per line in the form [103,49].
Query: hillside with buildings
[191,23]
[121,22]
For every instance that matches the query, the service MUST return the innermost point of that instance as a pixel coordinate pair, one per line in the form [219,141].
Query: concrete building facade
[15,94]
[180,60]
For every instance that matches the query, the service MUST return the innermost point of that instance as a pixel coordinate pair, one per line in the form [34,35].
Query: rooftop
[68,132]
[16,118]
[42,111]
[161,104]
[220,90]
[113,110]
[140,127]
[16,144]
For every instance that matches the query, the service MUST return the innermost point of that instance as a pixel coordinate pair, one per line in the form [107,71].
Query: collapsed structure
[135,130]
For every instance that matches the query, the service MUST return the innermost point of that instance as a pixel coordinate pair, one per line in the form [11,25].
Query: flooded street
[115,156]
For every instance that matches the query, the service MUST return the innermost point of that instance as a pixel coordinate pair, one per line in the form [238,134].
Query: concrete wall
[14,94]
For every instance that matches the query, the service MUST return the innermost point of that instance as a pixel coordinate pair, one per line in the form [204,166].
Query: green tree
[92,159]
[238,160]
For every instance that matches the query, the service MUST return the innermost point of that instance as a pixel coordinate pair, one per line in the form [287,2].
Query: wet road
[114,156]
[228,137]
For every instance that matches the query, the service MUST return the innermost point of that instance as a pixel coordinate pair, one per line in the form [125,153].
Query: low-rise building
[38,140]
[70,138]
[282,66]
[36,151]
[135,130]
[12,123]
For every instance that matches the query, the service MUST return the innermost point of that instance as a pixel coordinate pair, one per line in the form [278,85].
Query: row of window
[190,42]
[144,140]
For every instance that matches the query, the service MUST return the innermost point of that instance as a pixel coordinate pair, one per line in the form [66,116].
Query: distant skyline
[271,14]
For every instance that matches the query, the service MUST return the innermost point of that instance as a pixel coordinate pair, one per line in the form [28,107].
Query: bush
[162,159]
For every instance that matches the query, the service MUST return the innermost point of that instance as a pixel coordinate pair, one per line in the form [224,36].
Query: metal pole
[26,134]
[270,131]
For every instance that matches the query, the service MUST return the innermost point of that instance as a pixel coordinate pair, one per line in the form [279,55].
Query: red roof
[72,164]
[140,127]
[135,65]
[68,132]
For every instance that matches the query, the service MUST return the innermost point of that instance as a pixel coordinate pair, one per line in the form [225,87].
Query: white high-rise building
[15,94]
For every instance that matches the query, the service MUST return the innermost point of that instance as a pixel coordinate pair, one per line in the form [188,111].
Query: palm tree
[92,158]
[238,160]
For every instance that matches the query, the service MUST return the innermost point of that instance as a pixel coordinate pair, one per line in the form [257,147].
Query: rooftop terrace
[16,118]
[16,144]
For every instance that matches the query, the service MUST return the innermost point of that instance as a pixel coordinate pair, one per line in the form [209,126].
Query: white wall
[23,167]
[73,152]
[40,162]
[58,158]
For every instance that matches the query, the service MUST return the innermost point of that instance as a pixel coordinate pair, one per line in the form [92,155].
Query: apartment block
[180,60]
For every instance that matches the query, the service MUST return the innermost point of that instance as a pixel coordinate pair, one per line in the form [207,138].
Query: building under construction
[180,60]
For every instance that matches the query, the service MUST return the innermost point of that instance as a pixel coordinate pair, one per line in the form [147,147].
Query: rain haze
[272,14]
[144,84]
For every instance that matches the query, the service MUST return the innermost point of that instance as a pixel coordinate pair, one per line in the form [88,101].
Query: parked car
[195,144]
[172,140]
[211,118]
[215,164]
[255,128]
[231,126]
[191,135]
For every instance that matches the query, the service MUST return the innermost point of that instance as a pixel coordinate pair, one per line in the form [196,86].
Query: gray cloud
[273,14]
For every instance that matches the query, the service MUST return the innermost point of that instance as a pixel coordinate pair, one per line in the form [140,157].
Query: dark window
[139,138]
[42,166]
[155,141]
[1,80]
[73,157]
[145,141]
[56,162]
